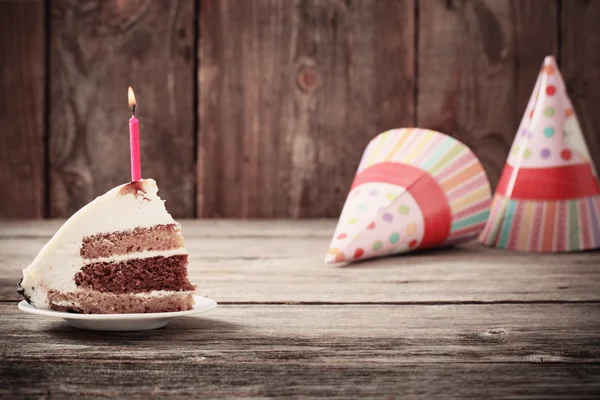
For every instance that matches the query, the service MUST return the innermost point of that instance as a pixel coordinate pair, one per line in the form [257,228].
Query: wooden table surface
[460,322]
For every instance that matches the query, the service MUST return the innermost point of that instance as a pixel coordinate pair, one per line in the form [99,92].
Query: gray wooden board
[343,351]
[282,261]
[385,347]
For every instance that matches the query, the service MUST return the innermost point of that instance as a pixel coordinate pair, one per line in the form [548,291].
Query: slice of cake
[121,253]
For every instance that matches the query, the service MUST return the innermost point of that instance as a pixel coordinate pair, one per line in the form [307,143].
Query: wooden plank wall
[478,62]
[261,108]
[22,98]
[290,93]
[97,49]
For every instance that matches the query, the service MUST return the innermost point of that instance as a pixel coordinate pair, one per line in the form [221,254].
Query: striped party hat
[414,189]
[548,197]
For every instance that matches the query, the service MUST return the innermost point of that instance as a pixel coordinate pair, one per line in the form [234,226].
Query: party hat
[414,189]
[548,197]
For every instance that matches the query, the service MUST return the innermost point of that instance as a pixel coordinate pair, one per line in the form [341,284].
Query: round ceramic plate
[121,322]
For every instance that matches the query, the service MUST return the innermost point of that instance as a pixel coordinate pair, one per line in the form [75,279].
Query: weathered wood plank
[215,228]
[22,109]
[282,261]
[338,351]
[478,61]
[580,65]
[285,379]
[150,45]
[290,92]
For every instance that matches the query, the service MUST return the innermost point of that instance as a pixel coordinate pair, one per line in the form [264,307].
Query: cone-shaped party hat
[548,197]
[414,189]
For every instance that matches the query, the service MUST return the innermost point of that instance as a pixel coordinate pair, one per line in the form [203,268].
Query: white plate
[121,322]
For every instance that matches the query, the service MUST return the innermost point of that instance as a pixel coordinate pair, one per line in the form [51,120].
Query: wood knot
[495,332]
[308,78]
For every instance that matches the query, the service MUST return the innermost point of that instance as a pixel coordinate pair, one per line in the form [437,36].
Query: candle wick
[133,110]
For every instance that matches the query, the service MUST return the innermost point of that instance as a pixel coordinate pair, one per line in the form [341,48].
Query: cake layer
[136,275]
[94,302]
[156,238]
[100,242]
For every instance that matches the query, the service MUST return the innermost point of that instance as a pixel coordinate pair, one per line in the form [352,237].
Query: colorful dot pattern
[386,218]
[381,219]
[541,140]
[557,141]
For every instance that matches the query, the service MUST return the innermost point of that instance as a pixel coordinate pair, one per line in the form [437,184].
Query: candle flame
[131,97]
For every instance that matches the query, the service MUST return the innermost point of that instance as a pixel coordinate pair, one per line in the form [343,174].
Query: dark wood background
[261,108]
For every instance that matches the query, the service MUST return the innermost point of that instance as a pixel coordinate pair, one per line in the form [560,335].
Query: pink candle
[134,140]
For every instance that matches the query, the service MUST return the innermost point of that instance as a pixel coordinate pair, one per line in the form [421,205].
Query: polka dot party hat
[414,189]
[548,197]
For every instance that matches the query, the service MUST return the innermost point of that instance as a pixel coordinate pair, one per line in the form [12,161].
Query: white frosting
[141,254]
[59,260]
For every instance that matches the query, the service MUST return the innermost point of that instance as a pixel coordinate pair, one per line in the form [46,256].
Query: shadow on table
[464,251]
[412,258]
[179,329]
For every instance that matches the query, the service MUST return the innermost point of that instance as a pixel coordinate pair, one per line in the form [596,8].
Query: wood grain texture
[320,351]
[282,262]
[580,66]
[386,347]
[97,49]
[290,93]
[22,109]
[478,62]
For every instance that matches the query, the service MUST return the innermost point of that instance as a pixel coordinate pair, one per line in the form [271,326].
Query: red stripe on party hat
[556,183]
[395,173]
